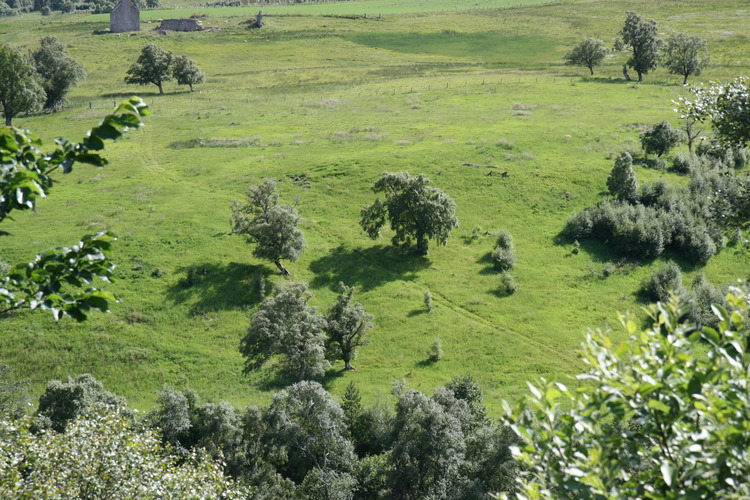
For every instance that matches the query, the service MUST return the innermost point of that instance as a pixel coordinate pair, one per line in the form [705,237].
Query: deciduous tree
[660,139]
[284,324]
[640,37]
[152,67]
[58,72]
[682,55]
[589,52]
[684,392]
[272,227]
[415,209]
[20,91]
[347,327]
[186,72]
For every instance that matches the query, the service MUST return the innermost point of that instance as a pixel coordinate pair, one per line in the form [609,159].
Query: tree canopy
[20,91]
[589,52]
[186,72]
[415,209]
[682,55]
[58,72]
[152,67]
[347,327]
[284,324]
[267,224]
[640,37]
[622,183]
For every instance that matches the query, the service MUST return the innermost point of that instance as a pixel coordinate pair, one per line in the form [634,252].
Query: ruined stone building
[124,17]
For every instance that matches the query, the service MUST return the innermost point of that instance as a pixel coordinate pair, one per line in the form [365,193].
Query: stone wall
[124,17]
[180,25]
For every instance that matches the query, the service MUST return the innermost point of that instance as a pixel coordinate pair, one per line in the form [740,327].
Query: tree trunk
[347,363]
[421,245]
[161,91]
[191,87]
[591,68]
[281,267]
[302,368]
[8,120]
[684,82]
[625,73]
[640,76]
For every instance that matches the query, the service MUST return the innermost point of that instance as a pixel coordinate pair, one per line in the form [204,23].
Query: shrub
[435,352]
[45,11]
[621,182]
[682,163]
[504,254]
[428,300]
[665,280]
[508,285]
[703,295]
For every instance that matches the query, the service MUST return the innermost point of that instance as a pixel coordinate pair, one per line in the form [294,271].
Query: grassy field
[340,100]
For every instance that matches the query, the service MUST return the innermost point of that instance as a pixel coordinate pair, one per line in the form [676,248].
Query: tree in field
[660,139]
[347,326]
[284,324]
[639,36]
[58,72]
[682,55]
[664,414]
[589,52]
[58,280]
[621,182]
[307,425]
[270,226]
[152,67]
[186,72]
[415,209]
[20,91]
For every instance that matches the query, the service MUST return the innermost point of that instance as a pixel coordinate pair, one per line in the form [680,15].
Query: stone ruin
[124,17]
[180,25]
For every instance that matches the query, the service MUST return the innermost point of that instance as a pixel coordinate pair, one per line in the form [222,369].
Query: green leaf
[657,405]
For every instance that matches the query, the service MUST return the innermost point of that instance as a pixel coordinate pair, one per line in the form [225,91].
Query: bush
[682,163]
[428,301]
[665,280]
[508,285]
[45,11]
[703,295]
[504,254]
[435,352]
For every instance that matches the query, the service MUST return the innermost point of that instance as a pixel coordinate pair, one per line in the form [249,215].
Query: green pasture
[338,101]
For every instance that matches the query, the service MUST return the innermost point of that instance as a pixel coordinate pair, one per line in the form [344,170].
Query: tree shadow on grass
[272,379]
[366,268]
[486,259]
[218,286]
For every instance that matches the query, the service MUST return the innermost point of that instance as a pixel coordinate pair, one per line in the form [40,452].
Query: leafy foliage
[689,414]
[20,91]
[14,395]
[152,67]
[186,72]
[58,72]
[270,226]
[103,455]
[347,326]
[663,282]
[589,52]
[504,253]
[682,55]
[640,37]
[660,139]
[284,324]
[622,183]
[55,280]
[63,402]
[414,208]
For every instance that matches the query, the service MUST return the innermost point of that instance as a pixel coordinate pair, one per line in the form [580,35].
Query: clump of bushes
[435,352]
[504,253]
[660,139]
[666,280]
